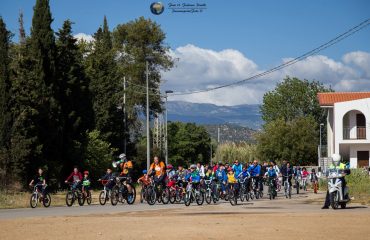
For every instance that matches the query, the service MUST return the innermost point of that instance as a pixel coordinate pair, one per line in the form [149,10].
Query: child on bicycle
[86,182]
[171,176]
[108,177]
[231,180]
[39,181]
[144,180]
[76,176]
[221,177]
[271,174]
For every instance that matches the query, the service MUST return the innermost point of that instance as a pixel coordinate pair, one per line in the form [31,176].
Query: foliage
[229,152]
[293,98]
[188,143]
[99,154]
[105,86]
[294,141]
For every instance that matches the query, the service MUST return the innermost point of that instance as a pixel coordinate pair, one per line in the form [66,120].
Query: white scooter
[336,194]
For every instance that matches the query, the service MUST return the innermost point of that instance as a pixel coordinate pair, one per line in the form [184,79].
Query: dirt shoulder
[263,220]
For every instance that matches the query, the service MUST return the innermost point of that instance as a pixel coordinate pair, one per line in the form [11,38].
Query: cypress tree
[43,51]
[5,101]
[75,98]
[105,87]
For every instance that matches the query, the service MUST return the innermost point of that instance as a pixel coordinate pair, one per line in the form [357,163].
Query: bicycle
[257,193]
[37,197]
[304,183]
[271,189]
[74,193]
[233,193]
[105,194]
[193,193]
[154,192]
[287,187]
[210,194]
[278,184]
[297,181]
[120,191]
[243,191]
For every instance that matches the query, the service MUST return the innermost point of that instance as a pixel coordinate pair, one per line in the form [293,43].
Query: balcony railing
[360,133]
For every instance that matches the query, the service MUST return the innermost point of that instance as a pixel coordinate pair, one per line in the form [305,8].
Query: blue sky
[263,31]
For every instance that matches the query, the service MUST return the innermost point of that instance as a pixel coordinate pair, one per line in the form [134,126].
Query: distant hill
[209,114]
[231,133]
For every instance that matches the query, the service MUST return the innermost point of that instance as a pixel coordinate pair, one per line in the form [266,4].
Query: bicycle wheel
[242,195]
[46,201]
[88,198]
[173,194]
[33,200]
[81,198]
[114,196]
[208,196]
[232,197]
[187,198]
[151,196]
[261,194]
[131,196]
[199,198]
[165,196]
[70,198]
[290,192]
[102,198]
[297,187]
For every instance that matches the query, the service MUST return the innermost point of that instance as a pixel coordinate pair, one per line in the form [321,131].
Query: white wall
[340,109]
[353,153]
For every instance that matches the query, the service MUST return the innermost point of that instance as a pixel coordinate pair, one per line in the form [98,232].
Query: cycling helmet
[145,171]
[122,156]
[169,166]
[193,166]
[86,172]
[230,169]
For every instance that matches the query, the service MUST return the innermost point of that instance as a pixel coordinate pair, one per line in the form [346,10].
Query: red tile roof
[328,99]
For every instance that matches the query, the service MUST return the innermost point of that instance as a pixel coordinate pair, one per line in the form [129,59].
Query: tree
[5,101]
[293,98]
[229,152]
[99,154]
[188,143]
[294,141]
[75,97]
[135,41]
[105,86]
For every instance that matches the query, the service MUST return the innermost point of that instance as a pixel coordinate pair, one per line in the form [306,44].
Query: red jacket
[74,174]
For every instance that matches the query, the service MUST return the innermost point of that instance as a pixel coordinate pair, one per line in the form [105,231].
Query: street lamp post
[166,148]
[321,125]
[147,59]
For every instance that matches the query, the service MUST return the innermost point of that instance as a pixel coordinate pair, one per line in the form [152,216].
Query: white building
[348,125]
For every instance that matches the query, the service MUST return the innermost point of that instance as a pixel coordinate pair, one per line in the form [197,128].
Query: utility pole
[147,117]
[218,134]
[124,117]
[166,136]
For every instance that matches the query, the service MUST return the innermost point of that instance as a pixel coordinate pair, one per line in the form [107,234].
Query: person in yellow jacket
[337,164]
[232,183]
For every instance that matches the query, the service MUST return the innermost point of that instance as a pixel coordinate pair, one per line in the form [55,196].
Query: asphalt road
[304,202]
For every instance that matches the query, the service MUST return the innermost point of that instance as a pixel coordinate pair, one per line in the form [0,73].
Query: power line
[314,51]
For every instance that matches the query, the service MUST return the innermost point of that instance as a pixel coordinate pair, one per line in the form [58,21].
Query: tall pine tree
[105,87]
[75,98]
[5,101]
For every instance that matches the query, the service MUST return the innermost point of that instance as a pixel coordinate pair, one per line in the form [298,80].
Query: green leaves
[292,115]
[188,143]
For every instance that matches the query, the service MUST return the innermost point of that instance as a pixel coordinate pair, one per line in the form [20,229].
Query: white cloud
[200,68]
[84,36]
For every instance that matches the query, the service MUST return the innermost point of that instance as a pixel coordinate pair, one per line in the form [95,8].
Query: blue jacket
[271,173]
[237,169]
[244,174]
[254,170]
[221,175]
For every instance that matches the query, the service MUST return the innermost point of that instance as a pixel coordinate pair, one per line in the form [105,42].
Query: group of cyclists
[164,183]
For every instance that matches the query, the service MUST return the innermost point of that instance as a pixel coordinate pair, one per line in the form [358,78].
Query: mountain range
[247,116]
